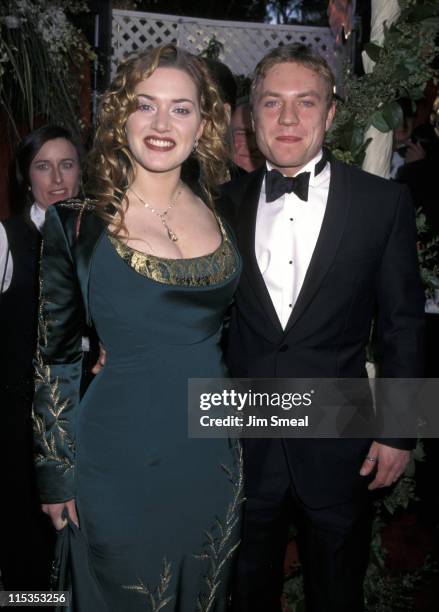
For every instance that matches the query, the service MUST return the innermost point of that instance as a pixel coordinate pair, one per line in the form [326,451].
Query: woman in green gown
[153,515]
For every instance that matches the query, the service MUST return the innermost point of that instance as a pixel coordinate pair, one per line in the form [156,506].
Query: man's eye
[307,103]
[272,103]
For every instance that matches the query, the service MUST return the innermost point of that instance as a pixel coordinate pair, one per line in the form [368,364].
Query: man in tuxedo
[326,247]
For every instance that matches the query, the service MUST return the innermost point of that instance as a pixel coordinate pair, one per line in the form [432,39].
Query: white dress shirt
[37,215]
[286,235]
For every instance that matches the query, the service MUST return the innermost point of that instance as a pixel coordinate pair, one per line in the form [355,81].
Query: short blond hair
[295,53]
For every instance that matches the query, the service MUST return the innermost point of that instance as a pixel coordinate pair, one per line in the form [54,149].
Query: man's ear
[330,116]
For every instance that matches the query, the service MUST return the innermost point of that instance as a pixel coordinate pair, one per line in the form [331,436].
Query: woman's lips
[159,144]
[58,192]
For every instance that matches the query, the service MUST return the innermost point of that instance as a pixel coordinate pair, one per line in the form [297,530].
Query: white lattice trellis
[244,43]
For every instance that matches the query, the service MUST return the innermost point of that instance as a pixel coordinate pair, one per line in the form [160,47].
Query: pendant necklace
[162,216]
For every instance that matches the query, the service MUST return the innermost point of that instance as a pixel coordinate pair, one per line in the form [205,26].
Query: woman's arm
[58,365]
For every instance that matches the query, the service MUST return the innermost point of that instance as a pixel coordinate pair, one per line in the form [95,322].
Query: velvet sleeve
[58,363]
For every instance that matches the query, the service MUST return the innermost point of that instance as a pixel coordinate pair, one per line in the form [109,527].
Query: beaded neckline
[210,269]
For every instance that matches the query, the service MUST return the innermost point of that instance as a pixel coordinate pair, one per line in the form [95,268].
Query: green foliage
[403,68]
[213,50]
[304,12]
[293,593]
[386,593]
[427,255]
[41,63]
[404,65]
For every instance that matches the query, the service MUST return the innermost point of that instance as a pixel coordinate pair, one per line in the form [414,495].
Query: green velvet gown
[158,511]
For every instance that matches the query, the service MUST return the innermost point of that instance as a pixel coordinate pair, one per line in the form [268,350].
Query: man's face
[291,116]
[245,151]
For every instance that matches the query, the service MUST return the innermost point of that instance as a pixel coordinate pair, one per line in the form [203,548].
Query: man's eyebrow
[176,101]
[310,92]
[270,94]
[302,94]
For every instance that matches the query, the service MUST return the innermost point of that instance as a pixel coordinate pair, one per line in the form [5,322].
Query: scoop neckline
[173,259]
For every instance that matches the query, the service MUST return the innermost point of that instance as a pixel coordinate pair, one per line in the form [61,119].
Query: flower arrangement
[42,57]
[404,65]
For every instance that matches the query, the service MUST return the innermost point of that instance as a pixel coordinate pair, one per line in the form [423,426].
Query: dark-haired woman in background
[48,170]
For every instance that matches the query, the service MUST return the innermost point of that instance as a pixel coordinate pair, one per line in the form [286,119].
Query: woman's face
[54,172]
[163,129]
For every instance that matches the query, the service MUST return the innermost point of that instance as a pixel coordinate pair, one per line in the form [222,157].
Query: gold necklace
[171,234]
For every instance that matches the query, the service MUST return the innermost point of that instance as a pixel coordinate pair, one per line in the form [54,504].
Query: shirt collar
[309,167]
[37,215]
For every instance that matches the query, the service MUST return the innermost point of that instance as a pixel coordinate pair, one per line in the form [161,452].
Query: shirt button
[291,219]
[290,262]
[290,305]
[283,348]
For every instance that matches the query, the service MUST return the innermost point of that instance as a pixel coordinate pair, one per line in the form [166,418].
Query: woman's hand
[56,511]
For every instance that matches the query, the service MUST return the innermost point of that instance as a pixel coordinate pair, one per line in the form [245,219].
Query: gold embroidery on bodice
[211,269]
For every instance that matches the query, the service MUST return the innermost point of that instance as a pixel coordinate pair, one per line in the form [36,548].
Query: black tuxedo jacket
[364,265]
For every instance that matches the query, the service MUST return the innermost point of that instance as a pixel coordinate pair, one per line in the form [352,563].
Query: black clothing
[365,259]
[26,535]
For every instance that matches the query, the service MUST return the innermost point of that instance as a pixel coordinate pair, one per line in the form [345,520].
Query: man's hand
[415,152]
[390,463]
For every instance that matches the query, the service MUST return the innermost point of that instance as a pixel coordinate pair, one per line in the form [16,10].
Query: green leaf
[346,135]
[401,72]
[379,122]
[416,93]
[357,136]
[392,113]
[411,62]
[373,51]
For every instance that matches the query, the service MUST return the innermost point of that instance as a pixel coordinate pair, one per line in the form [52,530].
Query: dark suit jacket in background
[364,264]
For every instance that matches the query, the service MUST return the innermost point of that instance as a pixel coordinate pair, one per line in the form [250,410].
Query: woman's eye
[42,166]
[182,110]
[144,107]
[67,165]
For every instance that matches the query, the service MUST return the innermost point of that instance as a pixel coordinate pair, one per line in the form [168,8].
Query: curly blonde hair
[111,164]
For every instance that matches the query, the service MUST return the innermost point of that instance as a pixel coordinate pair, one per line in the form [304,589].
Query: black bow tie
[276,185]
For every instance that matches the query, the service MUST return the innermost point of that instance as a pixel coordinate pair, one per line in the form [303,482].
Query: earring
[195,145]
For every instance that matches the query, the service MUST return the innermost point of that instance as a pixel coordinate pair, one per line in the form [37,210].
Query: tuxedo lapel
[332,229]
[246,228]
